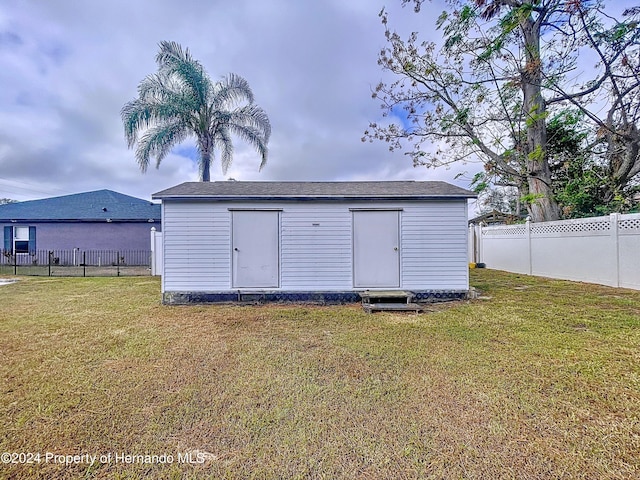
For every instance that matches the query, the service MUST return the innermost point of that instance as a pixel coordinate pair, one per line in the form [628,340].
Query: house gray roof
[232,190]
[89,206]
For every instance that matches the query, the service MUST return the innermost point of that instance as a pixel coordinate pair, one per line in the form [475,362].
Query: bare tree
[503,68]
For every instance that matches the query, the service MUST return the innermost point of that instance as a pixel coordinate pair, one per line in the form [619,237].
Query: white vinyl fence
[156,252]
[604,250]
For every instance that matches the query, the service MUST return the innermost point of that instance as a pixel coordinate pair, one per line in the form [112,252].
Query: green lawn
[537,379]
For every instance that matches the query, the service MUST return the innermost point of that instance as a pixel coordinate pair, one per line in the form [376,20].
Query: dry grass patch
[535,382]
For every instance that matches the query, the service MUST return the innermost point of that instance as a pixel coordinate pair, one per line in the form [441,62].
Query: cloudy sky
[68,67]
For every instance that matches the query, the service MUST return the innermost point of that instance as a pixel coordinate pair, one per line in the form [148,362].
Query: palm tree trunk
[205,160]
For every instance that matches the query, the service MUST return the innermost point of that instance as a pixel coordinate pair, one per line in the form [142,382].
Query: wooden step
[385,296]
[392,307]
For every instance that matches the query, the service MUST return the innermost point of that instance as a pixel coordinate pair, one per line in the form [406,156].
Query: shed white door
[376,253]
[255,249]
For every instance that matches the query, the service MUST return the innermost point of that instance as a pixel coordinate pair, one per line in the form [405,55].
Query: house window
[21,240]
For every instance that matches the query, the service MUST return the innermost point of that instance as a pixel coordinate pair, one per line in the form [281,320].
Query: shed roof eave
[376,190]
[312,198]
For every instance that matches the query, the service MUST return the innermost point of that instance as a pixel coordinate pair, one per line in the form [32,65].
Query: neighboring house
[495,217]
[100,220]
[312,240]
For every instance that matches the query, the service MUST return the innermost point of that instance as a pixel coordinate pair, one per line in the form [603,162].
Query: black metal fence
[77,263]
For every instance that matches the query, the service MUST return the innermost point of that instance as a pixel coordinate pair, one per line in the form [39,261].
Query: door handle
[236,249]
[395,248]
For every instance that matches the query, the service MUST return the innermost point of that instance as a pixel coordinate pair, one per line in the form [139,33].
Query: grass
[538,379]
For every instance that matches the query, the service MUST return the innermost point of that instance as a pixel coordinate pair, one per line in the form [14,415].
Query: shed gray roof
[232,190]
[88,206]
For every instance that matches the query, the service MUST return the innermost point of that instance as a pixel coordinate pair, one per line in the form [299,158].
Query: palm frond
[178,65]
[224,143]
[157,87]
[172,52]
[230,91]
[158,141]
[139,115]
[253,116]
[253,137]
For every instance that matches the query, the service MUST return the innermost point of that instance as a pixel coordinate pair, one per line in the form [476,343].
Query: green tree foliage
[180,100]
[504,68]
[580,177]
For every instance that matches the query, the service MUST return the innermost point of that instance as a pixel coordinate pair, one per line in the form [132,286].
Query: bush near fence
[76,262]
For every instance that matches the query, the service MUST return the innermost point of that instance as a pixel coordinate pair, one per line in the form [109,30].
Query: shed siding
[196,247]
[316,245]
[434,246]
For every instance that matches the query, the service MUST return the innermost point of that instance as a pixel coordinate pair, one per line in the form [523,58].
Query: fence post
[49,261]
[529,253]
[615,218]
[84,264]
[480,241]
[15,262]
[153,251]
[118,263]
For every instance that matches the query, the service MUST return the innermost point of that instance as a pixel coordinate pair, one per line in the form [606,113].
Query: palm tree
[180,100]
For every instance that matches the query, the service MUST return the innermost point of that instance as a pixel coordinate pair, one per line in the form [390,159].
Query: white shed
[320,241]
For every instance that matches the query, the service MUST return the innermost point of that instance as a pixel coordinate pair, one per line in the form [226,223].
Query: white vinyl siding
[316,247]
[315,244]
[434,246]
[196,247]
